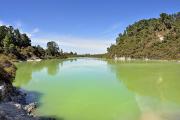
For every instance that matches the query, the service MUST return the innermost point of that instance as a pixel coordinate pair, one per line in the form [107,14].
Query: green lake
[96,89]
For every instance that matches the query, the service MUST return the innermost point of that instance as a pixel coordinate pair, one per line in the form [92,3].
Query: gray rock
[30,108]
[10,111]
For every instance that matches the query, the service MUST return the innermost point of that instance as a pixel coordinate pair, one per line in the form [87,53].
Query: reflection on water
[94,89]
[159,80]
[26,69]
[155,86]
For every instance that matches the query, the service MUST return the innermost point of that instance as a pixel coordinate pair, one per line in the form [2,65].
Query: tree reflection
[26,69]
[156,86]
[52,66]
[159,80]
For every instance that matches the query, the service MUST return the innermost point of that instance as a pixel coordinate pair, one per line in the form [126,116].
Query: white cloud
[76,44]
[68,43]
[33,32]
[27,33]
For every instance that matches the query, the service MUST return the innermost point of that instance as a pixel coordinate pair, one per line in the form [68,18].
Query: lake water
[95,89]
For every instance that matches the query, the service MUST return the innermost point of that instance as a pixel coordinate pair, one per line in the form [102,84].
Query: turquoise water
[95,89]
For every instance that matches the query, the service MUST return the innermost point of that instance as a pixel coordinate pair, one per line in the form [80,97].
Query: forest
[18,46]
[155,38]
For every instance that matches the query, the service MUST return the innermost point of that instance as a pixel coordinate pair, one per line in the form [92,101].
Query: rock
[1,87]
[18,106]
[12,100]
[14,111]
[10,111]
[8,93]
[2,115]
[30,108]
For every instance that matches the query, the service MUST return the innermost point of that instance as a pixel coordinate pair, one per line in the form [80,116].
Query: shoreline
[34,60]
[116,60]
[16,107]
[128,59]
[13,102]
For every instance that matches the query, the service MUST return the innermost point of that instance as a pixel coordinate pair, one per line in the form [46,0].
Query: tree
[12,49]
[19,45]
[166,19]
[75,53]
[7,41]
[25,41]
[41,51]
[17,36]
[61,52]
[71,53]
[3,32]
[52,49]
[156,38]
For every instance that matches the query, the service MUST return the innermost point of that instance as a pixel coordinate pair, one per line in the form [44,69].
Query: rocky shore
[13,103]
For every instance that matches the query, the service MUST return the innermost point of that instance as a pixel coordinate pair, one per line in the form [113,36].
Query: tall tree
[52,49]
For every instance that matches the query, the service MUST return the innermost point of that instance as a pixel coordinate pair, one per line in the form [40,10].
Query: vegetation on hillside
[18,46]
[7,70]
[156,38]
[7,75]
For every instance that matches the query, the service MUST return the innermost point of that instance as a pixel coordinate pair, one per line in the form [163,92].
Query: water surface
[95,89]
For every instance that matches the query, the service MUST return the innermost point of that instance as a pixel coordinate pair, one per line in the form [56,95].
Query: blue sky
[84,26]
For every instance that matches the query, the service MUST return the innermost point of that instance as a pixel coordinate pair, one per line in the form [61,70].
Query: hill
[156,38]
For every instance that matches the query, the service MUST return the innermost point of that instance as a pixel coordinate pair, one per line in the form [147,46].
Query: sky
[82,26]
